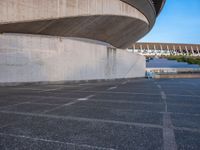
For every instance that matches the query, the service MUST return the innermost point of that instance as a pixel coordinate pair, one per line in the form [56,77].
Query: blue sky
[179,22]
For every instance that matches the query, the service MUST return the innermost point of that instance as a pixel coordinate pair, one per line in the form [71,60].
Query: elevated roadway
[166,49]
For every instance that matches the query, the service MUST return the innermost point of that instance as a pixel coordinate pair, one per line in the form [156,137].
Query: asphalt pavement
[132,114]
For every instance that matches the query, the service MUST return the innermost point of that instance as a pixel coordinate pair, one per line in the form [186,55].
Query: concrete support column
[161,50]
[180,49]
[198,51]
[187,50]
[174,50]
[148,49]
[134,48]
[154,49]
[168,52]
[141,49]
[192,51]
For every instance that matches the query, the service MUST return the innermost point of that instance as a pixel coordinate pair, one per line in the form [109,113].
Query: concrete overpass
[35,34]
[166,49]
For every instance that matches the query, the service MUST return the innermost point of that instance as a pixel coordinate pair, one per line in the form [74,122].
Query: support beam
[141,49]
[134,48]
[161,49]
[187,50]
[198,51]
[174,50]
[193,54]
[181,52]
[168,51]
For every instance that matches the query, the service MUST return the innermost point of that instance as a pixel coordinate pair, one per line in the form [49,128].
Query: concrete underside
[100,28]
[31,58]
[113,21]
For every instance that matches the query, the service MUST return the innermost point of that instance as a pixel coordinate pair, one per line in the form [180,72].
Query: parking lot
[127,114]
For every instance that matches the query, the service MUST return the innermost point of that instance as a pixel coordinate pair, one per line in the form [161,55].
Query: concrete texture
[47,55]
[28,58]
[113,21]
[138,114]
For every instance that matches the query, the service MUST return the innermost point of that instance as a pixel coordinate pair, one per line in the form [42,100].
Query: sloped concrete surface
[127,114]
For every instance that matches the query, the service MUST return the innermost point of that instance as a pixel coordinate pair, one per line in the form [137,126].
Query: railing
[172,73]
[173,70]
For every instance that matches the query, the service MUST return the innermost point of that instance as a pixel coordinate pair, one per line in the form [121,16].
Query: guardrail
[172,73]
[172,70]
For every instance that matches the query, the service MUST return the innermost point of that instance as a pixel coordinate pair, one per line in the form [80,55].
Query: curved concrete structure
[59,40]
[119,23]
[33,58]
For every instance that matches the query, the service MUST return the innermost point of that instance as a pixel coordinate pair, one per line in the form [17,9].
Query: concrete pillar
[174,50]
[161,49]
[141,49]
[168,52]
[198,51]
[180,50]
[154,49]
[148,49]
[192,51]
[187,50]
[134,48]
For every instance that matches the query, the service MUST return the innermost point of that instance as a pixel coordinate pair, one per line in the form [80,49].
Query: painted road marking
[60,106]
[159,86]
[163,95]
[123,83]
[166,120]
[83,146]
[85,98]
[112,88]
[168,131]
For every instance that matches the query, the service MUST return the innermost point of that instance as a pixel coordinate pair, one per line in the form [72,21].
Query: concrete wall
[28,58]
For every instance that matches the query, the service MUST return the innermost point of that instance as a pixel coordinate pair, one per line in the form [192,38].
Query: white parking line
[112,88]
[60,106]
[83,146]
[12,105]
[163,95]
[168,131]
[85,98]
[85,119]
[114,92]
[49,90]
[159,86]
[123,83]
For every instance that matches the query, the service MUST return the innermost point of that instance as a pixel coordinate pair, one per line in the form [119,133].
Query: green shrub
[188,59]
